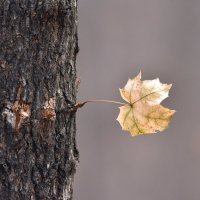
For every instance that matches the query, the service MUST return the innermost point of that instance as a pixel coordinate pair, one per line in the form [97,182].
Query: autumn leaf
[143,113]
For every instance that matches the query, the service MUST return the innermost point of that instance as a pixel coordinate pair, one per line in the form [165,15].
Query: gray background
[117,39]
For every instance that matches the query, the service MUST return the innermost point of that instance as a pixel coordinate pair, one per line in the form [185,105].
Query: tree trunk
[38,47]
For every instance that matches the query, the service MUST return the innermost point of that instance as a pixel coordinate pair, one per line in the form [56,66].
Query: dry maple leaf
[143,114]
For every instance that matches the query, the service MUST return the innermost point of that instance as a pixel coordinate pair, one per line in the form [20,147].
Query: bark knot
[48,111]
[21,109]
[17,113]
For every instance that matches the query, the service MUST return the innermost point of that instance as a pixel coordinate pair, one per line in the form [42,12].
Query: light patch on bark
[66,191]
[2,64]
[9,116]
[59,91]
[49,109]
[71,155]
[16,114]
[22,112]
[33,197]
[54,188]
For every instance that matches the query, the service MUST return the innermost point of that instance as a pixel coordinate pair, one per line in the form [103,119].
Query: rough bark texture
[38,47]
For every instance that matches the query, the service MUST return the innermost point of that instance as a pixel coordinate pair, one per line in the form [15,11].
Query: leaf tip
[139,75]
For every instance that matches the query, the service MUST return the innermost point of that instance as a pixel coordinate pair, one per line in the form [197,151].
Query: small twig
[81,104]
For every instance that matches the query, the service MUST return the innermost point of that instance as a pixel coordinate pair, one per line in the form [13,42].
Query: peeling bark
[38,47]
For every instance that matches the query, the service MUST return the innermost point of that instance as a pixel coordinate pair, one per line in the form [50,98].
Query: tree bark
[38,47]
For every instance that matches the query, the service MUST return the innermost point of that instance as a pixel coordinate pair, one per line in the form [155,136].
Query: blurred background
[117,39]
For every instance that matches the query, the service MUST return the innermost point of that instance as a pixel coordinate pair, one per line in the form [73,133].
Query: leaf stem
[103,100]
[81,104]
